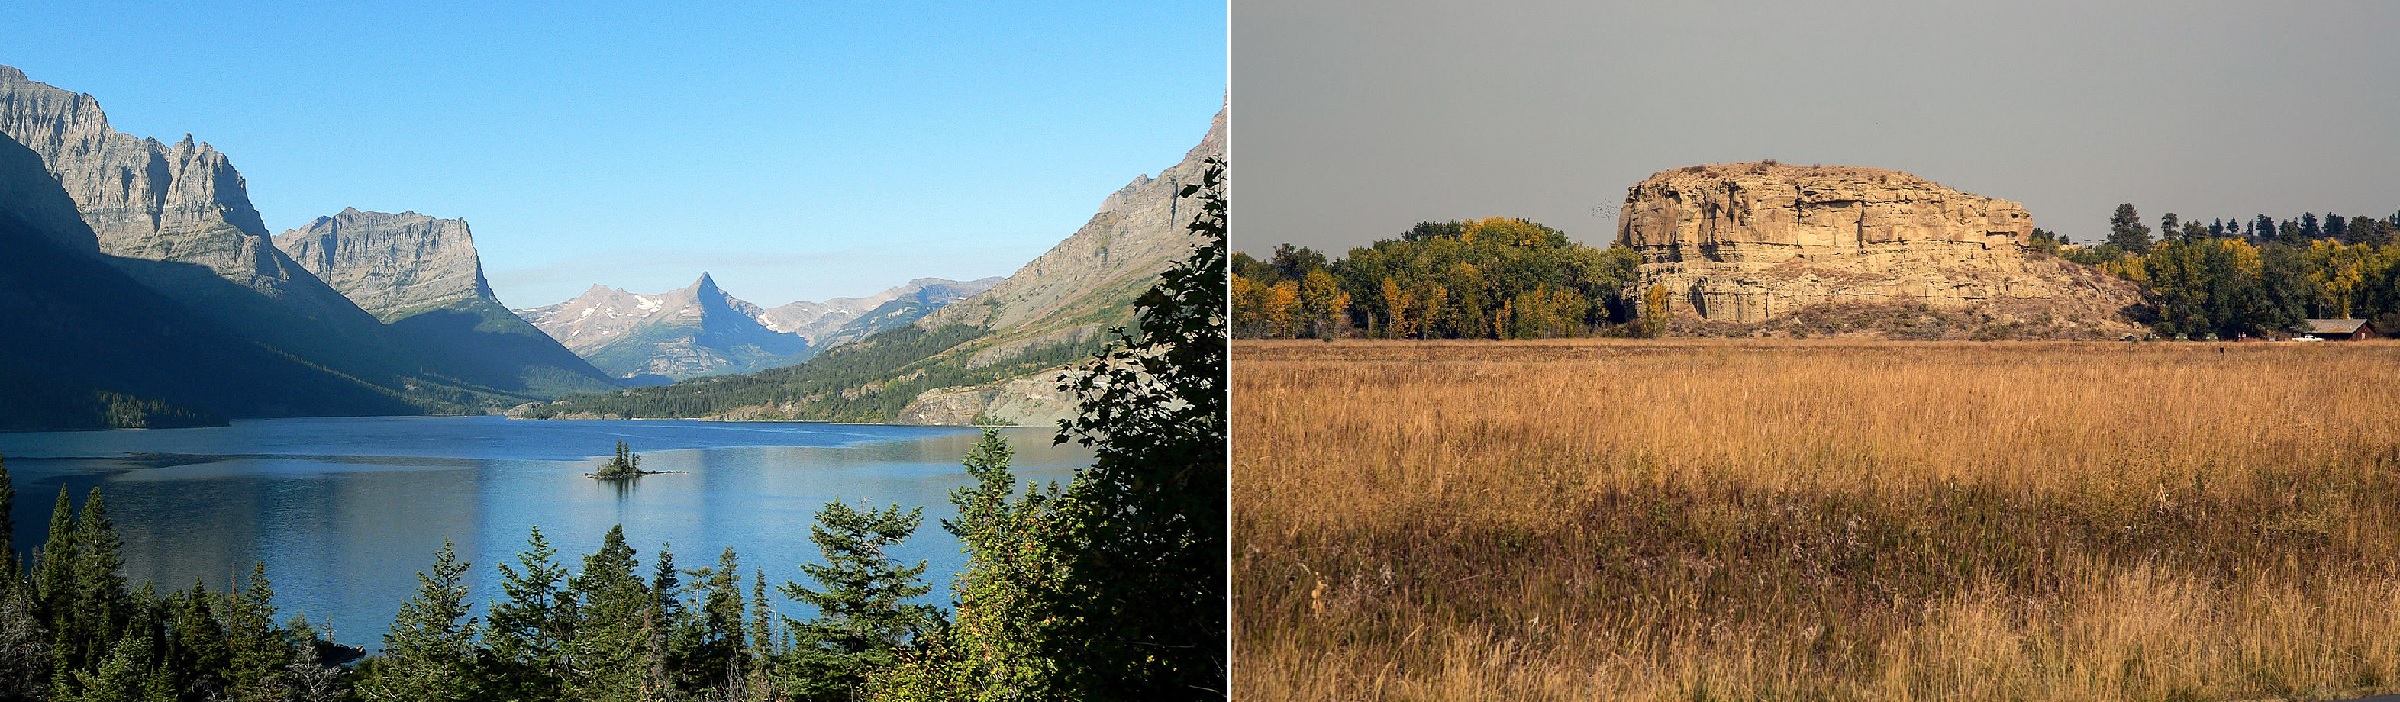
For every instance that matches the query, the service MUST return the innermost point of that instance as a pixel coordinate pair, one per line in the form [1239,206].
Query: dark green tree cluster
[2230,278]
[608,633]
[1114,587]
[624,465]
[1497,277]
[70,628]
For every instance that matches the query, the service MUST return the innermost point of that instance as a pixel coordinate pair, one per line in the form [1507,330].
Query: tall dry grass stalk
[1889,521]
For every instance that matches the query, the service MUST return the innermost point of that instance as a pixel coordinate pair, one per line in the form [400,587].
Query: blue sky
[794,150]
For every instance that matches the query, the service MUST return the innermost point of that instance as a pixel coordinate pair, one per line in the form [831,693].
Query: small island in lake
[624,466]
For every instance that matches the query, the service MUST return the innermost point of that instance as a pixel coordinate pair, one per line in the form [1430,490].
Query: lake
[346,511]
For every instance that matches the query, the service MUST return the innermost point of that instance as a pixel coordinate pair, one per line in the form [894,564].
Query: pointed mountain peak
[705,282]
[349,212]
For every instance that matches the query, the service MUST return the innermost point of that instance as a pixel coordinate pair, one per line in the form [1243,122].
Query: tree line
[1501,278]
[1492,278]
[1110,587]
[2232,277]
[867,381]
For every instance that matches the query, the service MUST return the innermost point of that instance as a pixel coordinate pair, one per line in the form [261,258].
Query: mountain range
[994,356]
[702,330]
[140,288]
[167,232]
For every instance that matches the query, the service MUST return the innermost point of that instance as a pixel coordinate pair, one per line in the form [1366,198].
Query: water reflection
[344,512]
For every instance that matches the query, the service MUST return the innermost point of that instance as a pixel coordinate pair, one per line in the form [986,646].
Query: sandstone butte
[1745,244]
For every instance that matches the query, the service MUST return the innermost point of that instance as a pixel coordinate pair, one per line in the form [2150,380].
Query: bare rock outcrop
[1745,243]
[181,202]
[390,264]
[1028,401]
[1138,232]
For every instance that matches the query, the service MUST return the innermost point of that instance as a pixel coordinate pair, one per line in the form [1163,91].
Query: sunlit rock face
[390,264]
[1749,242]
[145,199]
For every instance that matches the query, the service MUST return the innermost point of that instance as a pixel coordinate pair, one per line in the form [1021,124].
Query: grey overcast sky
[1358,118]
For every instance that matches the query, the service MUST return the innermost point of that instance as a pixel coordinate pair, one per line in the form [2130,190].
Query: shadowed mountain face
[177,218]
[422,277]
[83,345]
[994,355]
[180,202]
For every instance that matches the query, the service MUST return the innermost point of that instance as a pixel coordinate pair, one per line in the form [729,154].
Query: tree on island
[624,465]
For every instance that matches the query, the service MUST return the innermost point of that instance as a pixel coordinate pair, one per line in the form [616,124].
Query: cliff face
[390,264]
[85,346]
[1750,242]
[1137,232]
[1070,294]
[180,202]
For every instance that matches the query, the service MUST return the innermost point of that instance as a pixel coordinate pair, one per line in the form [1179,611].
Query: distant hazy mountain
[843,320]
[991,356]
[698,330]
[422,277]
[85,346]
[702,330]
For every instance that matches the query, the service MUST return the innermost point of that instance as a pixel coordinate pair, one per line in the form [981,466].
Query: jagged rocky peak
[390,264]
[180,202]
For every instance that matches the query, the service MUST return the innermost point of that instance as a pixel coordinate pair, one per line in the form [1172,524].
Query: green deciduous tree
[1140,611]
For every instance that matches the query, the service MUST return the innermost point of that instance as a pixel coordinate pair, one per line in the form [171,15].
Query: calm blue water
[346,511]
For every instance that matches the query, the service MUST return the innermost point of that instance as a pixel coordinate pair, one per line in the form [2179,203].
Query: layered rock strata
[390,264]
[144,199]
[1750,242]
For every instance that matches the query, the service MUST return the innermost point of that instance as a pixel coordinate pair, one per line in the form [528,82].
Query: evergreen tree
[530,629]
[2126,230]
[2337,229]
[992,651]
[54,586]
[609,655]
[78,573]
[1141,610]
[2170,226]
[126,674]
[24,646]
[861,601]
[429,654]
[714,653]
[262,655]
[2309,229]
[667,625]
[763,647]
[197,656]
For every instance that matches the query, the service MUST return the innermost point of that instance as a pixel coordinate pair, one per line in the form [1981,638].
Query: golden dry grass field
[1601,520]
